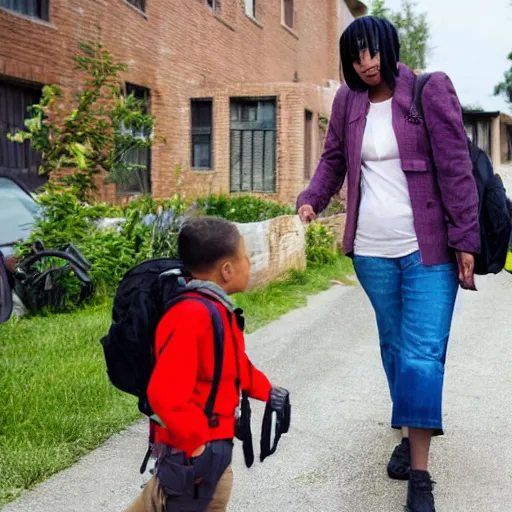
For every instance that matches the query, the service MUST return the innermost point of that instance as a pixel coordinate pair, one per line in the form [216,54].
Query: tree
[505,88]
[413,31]
[91,134]
[472,107]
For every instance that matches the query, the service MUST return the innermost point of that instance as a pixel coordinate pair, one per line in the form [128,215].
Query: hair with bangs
[377,35]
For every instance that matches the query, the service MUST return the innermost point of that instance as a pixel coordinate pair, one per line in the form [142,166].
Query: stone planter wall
[274,246]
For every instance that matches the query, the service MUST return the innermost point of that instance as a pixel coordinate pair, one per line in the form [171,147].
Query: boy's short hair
[203,241]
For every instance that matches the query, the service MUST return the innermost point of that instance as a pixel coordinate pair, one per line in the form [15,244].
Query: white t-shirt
[385,225]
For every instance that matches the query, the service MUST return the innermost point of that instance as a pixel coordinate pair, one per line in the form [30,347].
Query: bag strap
[218,350]
[281,427]
[419,85]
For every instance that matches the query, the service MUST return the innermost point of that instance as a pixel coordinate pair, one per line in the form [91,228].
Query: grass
[57,402]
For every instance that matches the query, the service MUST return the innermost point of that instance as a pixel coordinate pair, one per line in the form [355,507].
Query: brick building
[237,86]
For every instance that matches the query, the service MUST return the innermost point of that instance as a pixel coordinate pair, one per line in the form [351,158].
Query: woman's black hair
[378,36]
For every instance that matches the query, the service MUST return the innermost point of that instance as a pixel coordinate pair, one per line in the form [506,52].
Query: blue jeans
[414,308]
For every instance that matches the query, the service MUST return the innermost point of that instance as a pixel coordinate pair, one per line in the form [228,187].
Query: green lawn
[57,403]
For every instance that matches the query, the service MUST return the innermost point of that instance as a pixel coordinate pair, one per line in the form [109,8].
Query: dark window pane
[201,151]
[34,8]
[308,134]
[252,151]
[212,4]
[288,13]
[140,4]
[250,112]
[18,160]
[201,115]
[202,120]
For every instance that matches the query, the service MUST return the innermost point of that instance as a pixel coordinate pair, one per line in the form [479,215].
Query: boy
[194,454]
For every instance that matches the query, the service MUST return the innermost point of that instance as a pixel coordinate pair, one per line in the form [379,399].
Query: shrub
[150,228]
[320,245]
[242,209]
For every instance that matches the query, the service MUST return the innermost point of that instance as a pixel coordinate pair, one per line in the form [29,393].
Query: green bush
[113,251]
[320,245]
[242,209]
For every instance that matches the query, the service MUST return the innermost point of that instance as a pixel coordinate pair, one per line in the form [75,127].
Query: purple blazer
[437,165]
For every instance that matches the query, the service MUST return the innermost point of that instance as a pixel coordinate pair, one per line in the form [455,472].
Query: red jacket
[182,377]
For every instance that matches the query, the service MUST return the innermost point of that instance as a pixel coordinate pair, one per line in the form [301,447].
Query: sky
[470,41]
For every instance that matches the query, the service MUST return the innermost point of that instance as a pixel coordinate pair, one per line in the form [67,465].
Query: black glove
[278,404]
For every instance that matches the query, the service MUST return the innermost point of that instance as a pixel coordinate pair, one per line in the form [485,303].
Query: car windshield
[17,212]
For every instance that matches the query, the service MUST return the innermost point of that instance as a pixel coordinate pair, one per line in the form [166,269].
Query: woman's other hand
[466,262]
[307,214]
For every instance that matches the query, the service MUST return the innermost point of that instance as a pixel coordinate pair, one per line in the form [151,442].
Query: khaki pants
[152,498]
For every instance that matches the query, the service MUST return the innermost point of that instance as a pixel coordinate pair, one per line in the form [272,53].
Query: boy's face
[236,270]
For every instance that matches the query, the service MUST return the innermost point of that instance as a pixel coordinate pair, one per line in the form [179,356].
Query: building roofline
[357,8]
[482,114]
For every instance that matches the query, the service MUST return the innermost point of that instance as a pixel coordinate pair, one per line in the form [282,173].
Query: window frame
[259,125]
[252,4]
[42,6]
[201,131]
[129,88]
[140,5]
[284,20]
[12,152]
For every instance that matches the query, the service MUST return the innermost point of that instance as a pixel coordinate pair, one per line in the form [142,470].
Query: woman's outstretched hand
[466,262]
[307,214]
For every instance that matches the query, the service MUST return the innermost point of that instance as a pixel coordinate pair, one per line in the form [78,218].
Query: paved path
[334,459]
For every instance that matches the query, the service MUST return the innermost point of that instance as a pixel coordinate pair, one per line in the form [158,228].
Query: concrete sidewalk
[335,456]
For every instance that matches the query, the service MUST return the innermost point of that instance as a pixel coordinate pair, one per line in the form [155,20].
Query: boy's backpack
[143,296]
[494,210]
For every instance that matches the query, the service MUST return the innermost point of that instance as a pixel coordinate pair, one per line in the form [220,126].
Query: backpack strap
[218,349]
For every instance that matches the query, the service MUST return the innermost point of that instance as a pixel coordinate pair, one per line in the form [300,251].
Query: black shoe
[399,465]
[419,494]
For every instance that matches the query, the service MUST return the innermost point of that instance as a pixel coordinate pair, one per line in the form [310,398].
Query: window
[202,111]
[34,8]
[138,179]
[250,8]
[308,134]
[212,4]
[140,4]
[288,13]
[253,146]
[18,160]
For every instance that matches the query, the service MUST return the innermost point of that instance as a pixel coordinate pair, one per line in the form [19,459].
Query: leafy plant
[242,209]
[93,133]
[505,88]
[323,122]
[149,229]
[320,245]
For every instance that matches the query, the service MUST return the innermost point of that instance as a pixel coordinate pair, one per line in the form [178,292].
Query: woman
[411,220]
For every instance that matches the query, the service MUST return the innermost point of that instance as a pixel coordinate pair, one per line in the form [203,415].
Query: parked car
[18,211]
[45,278]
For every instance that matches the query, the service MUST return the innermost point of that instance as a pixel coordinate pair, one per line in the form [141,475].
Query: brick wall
[180,49]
